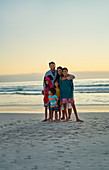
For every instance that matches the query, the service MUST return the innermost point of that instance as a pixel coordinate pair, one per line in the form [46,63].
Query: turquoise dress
[66,89]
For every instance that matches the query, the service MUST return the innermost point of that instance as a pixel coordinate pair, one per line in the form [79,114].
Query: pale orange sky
[73,34]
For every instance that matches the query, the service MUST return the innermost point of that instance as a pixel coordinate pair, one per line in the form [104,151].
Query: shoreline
[40,109]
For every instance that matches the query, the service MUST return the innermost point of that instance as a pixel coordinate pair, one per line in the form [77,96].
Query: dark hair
[52,90]
[65,69]
[55,82]
[58,76]
[51,63]
[59,67]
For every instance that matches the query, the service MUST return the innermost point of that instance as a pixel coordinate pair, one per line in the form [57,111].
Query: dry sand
[26,143]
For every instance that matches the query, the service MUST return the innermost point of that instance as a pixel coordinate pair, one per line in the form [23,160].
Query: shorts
[54,108]
[47,105]
[69,106]
[69,100]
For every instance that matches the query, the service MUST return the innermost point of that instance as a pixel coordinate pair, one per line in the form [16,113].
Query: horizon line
[43,73]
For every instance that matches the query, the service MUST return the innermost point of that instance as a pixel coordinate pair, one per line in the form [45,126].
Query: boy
[66,93]
[53,100]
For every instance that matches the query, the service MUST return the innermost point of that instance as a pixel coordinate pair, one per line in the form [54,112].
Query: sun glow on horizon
[72,34]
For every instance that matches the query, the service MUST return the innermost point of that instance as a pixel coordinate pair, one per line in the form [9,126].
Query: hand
[64,78]
[56,105]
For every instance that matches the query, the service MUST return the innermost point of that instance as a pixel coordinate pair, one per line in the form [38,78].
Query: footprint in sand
[36,167]
[29,157]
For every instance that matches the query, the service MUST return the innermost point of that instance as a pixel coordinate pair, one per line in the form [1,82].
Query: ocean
[86,92]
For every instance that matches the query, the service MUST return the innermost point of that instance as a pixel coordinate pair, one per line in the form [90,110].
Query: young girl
[45,92]
[56,86]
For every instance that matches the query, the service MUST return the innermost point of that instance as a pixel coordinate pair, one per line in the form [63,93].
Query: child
[45,93]
[53,100]
[66,93]
[69,77]
[56,86]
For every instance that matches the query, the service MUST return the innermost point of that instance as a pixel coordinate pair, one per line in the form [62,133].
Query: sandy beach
[27,143]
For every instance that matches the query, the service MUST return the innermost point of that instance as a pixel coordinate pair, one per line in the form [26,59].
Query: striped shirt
[53,99]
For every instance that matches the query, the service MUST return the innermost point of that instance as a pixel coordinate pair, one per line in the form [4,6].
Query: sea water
[86,92]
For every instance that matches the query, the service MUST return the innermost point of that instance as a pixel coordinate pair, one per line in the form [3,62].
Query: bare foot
[57,120]
[44,120]
[62,118]
[67,119]
[79,120]
[70,119]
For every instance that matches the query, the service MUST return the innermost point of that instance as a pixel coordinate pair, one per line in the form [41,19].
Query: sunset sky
[73,33]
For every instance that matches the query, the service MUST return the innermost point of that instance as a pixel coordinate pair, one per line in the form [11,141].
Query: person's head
[52,66]
[65,71]
[52,91]
[59,70]
[47,81]
[56,83]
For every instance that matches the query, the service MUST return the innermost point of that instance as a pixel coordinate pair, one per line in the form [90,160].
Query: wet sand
[27,143]
[40,108]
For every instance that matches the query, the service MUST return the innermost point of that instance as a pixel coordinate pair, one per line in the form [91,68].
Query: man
[52,73]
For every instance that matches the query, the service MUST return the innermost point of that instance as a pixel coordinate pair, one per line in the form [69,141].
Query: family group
[58,91]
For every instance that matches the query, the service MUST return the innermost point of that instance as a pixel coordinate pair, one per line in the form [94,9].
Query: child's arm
[64,78]
[56,103]
[43,91]
[70,77]
[47,103]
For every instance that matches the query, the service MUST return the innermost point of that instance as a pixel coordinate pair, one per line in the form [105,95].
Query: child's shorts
[69,100]
[54,108]
[47,105]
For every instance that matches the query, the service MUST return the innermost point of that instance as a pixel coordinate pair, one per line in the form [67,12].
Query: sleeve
[42,92]
[44,81]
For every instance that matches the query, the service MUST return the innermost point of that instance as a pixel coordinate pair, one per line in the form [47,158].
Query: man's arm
[44,80]
[44,83]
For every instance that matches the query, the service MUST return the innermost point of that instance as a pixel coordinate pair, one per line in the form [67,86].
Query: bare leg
[56,115]
[59,113]
[63,116]
[45,114]
[52,115]
[65,110]
[75,111]
[69,112]
[49,113]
